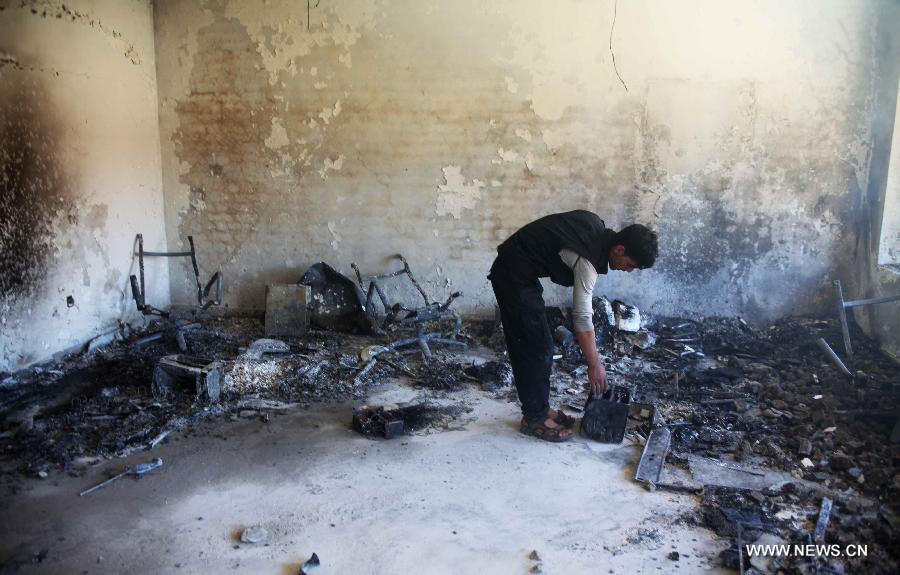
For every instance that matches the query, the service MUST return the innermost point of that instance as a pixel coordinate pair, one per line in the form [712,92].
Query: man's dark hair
[640,244]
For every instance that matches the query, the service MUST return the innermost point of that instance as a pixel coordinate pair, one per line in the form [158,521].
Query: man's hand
[597,379]
[596,371]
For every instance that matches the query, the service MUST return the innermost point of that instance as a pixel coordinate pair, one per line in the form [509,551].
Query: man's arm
[596,371]
[582,310]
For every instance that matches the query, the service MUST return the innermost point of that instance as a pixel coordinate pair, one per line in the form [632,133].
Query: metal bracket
[653,459]
[139,290]
[842,307]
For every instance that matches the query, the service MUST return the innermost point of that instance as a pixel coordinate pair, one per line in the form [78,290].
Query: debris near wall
[336,302]
[131,395]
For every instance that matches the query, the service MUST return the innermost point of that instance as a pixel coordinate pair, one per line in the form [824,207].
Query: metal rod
[358,275]
[149,338]
[413,279]
[842,316]
[167,254]
[140,238]
[860,302]
[423,345]
[732,467]
[364,371]
[196,271]
[105,483]
[834,357]
[136,293]
[399,367]
[158,439]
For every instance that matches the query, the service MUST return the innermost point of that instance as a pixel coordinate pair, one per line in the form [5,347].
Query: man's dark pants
[528,338]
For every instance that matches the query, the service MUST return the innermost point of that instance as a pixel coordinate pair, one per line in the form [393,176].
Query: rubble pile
[770,399]
[796,515]
[494,376]
[758,401]
[442,373]
[102,404]
[767,404]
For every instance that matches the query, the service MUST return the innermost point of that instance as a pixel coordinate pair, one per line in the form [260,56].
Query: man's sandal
[564,419]
[537,428]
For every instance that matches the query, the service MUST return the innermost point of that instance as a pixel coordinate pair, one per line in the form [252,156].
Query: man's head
[633,247]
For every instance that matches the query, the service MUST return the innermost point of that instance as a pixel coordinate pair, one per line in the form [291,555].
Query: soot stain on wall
[61,11]
[34,195]
[724,223]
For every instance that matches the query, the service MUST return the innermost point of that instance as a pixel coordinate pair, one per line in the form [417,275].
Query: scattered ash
[72,414]
[648,536]
[788,515]
[727,390]
[421,416]
[488,333]
[372,421]
[771,398]
[442,373]
[493,375]
[251,376]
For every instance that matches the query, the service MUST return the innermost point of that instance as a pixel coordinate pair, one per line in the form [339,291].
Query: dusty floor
[474,500]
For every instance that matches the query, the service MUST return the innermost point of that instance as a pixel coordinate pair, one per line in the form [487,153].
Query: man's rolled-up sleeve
[582,290]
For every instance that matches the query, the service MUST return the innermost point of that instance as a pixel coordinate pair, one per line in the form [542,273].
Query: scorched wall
[79,171]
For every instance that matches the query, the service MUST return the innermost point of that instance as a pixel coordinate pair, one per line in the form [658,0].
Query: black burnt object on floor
[605,417]
[378,421]
[335,302]
[203,375]
[395,420]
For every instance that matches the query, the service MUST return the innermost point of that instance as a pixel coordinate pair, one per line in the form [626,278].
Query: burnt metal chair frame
[430,312]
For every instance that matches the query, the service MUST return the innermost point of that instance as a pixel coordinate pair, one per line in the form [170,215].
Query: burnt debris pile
[782,442]
[762,423]
[130,395]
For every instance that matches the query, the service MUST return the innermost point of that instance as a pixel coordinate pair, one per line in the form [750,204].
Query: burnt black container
[605,417]
[375,420]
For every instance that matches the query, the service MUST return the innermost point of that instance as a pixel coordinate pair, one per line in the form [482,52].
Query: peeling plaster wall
[742,131]
[80,171]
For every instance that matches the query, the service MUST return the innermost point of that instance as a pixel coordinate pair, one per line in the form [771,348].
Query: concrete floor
[476,500]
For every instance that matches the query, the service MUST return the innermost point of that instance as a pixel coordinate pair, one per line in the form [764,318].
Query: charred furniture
[138,289]
[431,312]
